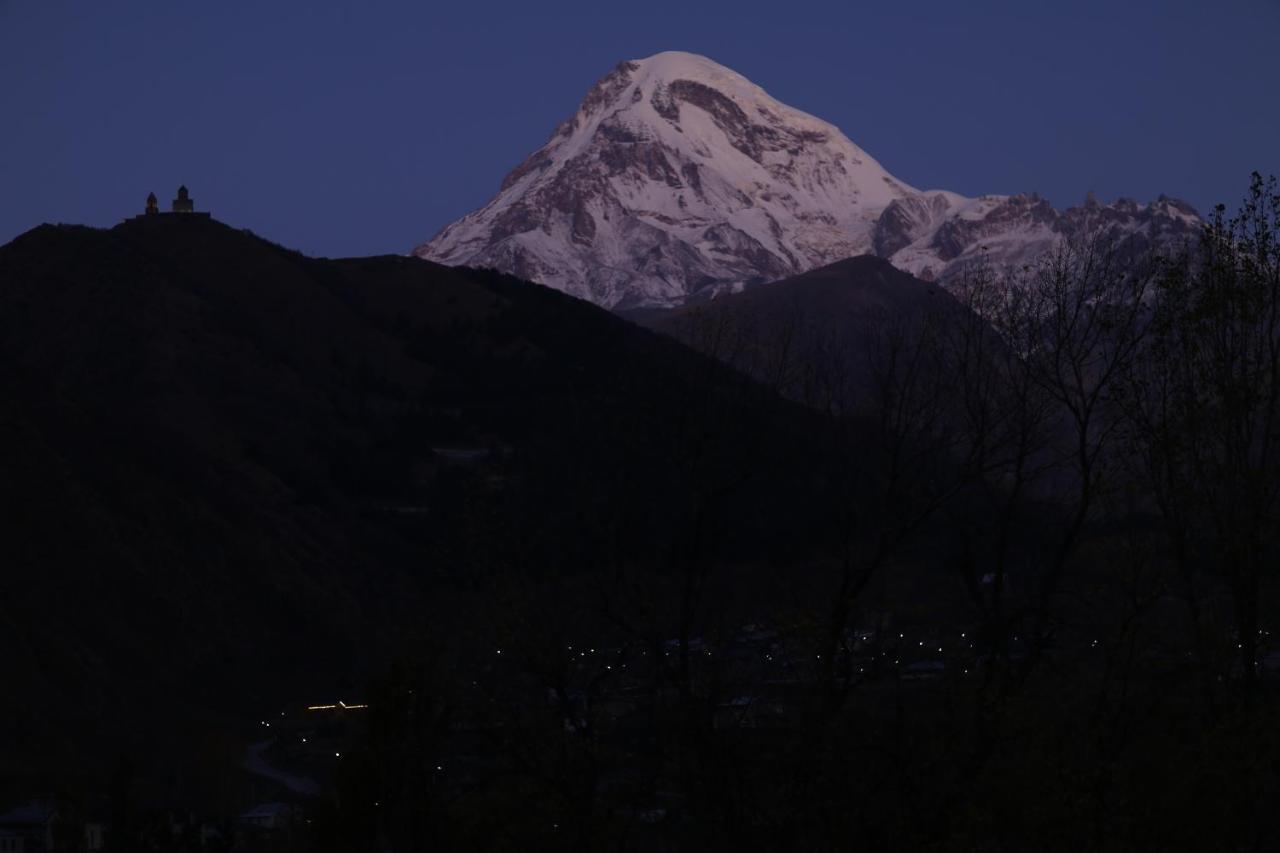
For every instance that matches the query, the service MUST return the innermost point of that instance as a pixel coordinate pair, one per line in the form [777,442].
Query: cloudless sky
[344,128]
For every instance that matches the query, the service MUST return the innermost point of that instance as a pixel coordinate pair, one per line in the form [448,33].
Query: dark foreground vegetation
[861,564]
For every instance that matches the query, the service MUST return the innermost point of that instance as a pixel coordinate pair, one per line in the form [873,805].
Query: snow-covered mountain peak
[662,69]
[677,178]
[681,65]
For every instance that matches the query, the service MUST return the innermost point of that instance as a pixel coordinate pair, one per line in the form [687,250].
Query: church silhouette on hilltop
[184,204]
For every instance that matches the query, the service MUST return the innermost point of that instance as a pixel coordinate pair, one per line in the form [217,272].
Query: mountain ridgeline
[677,179]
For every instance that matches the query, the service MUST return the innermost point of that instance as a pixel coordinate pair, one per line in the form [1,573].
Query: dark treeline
[1033,609]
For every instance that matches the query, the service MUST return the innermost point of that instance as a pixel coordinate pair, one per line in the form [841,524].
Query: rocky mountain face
[678,179]
[934,240]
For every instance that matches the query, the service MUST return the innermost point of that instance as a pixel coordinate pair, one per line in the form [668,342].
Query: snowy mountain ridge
[678,178]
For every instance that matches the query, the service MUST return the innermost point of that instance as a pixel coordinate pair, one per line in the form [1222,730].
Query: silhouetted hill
[838,318]
[235,476]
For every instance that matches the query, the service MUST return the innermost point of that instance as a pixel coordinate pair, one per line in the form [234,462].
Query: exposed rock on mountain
[935,242]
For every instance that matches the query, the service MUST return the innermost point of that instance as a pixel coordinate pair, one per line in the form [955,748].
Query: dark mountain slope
[227,476]
[857,288]
[836,324]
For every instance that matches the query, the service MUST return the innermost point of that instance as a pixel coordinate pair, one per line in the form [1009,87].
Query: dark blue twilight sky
[344,128]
